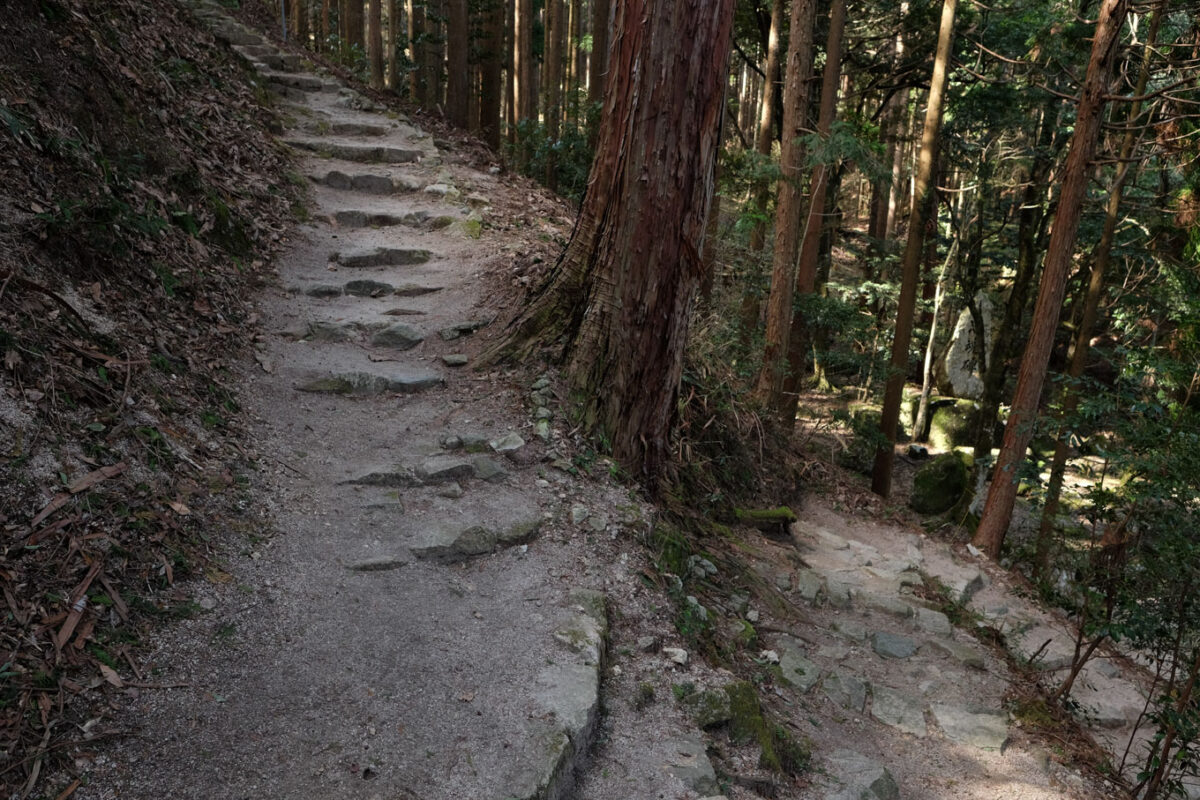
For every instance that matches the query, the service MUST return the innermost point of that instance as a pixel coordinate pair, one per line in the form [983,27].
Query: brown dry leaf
[179,508]
[111,676]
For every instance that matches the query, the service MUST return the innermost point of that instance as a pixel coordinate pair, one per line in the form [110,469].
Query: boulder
[938,485]
[957,369]
[952,422]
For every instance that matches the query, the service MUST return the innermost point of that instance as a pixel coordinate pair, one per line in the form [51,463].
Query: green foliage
[570,155]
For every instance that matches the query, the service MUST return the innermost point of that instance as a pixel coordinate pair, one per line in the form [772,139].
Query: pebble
[451,490]
[676,654]
[578,514]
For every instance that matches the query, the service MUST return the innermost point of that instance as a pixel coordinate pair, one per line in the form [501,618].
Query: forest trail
[450,608]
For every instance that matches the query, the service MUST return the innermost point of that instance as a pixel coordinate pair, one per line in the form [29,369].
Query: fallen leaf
[111,676]
[179,508]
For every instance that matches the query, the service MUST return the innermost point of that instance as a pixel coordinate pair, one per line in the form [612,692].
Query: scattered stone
[540,383]
[397,478]
[647,644]
[892,645]
[918,452]
[455,360]
[366,288]
[689,762]
[542,429]
[851,629]
[460,329]
[846,690]
[964,654]
[476,200]
[365,383]
[449,542]
[898,710]
[578,514]
[441,190]
[399,336]
[938,485]
[809,585]
[452,491]
[828,540]
[598,523]
[861,778]
[414,290]
[487,469]
[382,257]
[708,708]
[963,582]
[403,312]
[474,442]
[445,468]
[888,605]
[796,669]
[508,443]
[783,581]
[324,290]
[934,621]
[676,654]
[378,564]
[543,413]
[986,730]
[839,594]
[373,184]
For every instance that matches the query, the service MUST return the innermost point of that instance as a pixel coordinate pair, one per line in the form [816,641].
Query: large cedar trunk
[457,68]
[375,42]
[523,63]
[789,205]
[997,513]
[390,42]
[555,32]
[492,48]
[601,11]
[618,301]
[352,24]
[419,78]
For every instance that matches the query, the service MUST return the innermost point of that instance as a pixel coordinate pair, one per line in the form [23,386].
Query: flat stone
[445,468]
[414,290]
[933,621]
[542,429]
[378,564]
[397,477]
[887,604]
[708,708]
[368,288]
[382,257]
[892,645]
[398,336]
[324,290]
[543,413]
[795,668]
[579,514]
[452,491]
[325,331]
[962,653]
[809,585]
[899,710]
[460,329]
[676,654]
[963,582]
[986,730]
[688,761]
[838,593]
[851,629]
[487,469]
[366,154]
[455,360]
[473,442]
[846,690]
[508,443]
[823,538]
[861,778]
[449,542]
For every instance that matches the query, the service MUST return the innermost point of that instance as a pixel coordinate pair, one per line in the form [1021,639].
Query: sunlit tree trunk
[923,196]
[620,298]
[789,206]
[997,513]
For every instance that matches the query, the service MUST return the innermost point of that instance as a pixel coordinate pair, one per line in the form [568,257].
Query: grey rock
[365,288]
[382,257]
[398,477]
[508,443]
[451,442]
[365,383]
[487,469]
[540,383]
[324,290]
[796,669]
[373,184]
[851,629]
[783,581]
[414,290]
[474,442]
[452,491]
[542,429]
[455,360]
[444,541]
[933,621]
[887,604]
[363,154]
[445,468]
[543,413]
[688,761]
[899,710]
[335,179]
[809,585]
[986,730]
[892,645]
[647,644]
[578,514]
[460,329]
[962,653]
[324,331]
[846,690]
[838,593]
[708,708]
[378,564]
[1105,668]
[399,336]
[861,778]
[598,523]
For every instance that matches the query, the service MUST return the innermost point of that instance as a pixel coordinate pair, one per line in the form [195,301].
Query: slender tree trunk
[375,42]
[1091,302]
[392,43]
[490,73]
[923,197]
[510,72]
[524,66]
[621,295]
[323,44]
[555,31]
[789,205]
[575,60]
[458,76]
[814,224]
[763,138]
[921,423]
[418,47]
[298,27]
[352,31]
[598,66]
[997,513]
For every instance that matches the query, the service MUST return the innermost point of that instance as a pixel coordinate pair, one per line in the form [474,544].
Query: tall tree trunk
[458,78]
[923,197]
[298,27]
[575,60]
[323,44]
[352,25]
[622,293]
[598,65]
[997,513]
[392,43]
[375,42]
[418,47]
[814,224]
[523,63]
[921,422]
[789,204]
[490,73]
[1091,302]
[555,32]
[510,72]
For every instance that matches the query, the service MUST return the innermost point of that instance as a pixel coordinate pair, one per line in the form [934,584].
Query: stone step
[371,219]
[290,80]
[256,51]
[382,257]
[339,128]
[366,154]
[367,182]
[366,384]
[283,62]
[232,33]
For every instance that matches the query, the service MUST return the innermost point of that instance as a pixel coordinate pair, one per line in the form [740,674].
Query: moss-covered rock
[939,484]
[709,708]
[952,423]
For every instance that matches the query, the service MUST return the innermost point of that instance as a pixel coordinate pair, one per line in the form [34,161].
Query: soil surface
[456,602]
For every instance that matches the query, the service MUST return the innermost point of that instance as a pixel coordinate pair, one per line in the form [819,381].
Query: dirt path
[452,611]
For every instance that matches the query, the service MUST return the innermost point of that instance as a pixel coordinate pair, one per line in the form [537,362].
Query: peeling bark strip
[620,296]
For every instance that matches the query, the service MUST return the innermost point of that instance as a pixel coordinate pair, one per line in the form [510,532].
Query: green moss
[759,517]
[779,750]
[938,485]
[644,696]
[746,724]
